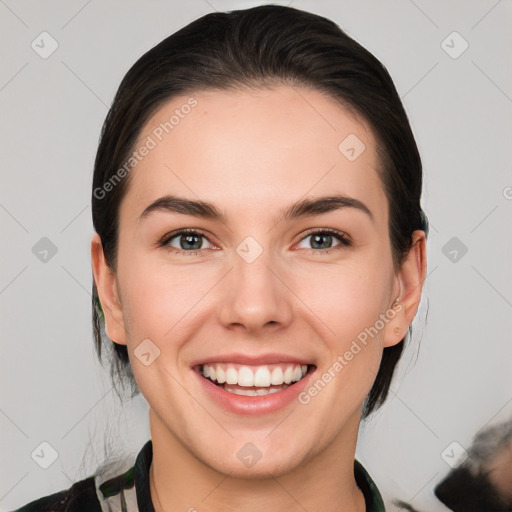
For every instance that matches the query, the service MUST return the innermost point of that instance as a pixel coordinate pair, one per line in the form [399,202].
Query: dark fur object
[483,482]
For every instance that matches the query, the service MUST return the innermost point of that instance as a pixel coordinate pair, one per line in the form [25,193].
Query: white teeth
[245,377]
[231,376]
[277,376]
[253,392]
[262,377]
[221,375]
[297,374]
[254,376]
[245,392]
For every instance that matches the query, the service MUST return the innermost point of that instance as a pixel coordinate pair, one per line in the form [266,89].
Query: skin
[252,153]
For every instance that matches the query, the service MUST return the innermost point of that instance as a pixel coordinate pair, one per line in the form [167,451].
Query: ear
[108,294]
[410,278]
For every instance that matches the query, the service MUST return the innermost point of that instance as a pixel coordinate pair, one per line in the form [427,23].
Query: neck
[326,482]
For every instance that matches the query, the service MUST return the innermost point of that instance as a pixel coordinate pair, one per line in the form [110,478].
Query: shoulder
[80,497]
[105,490]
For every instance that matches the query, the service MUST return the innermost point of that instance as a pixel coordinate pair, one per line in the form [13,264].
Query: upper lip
[255,360]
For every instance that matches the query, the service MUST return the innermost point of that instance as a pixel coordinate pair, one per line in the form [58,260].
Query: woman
[259,256]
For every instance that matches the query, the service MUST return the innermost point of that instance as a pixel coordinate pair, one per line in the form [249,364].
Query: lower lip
[253,405]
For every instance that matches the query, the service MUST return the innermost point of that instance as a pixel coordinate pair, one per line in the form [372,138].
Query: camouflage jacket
[129,492]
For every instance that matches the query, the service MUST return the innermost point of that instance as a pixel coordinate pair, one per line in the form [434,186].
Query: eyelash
[343,238]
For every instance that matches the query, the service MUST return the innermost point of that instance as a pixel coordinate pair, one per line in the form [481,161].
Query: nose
[256,296]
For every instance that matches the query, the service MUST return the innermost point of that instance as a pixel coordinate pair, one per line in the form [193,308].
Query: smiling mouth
[250,380]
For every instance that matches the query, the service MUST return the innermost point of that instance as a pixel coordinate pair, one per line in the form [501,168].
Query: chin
[250,463]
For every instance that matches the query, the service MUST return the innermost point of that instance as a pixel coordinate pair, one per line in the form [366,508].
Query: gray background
[454,377]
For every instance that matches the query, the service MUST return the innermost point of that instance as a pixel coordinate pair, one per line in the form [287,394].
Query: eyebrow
[303,208]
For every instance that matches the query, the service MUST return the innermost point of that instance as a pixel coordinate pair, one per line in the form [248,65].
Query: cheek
[159,298]
[348,303]
[347,298]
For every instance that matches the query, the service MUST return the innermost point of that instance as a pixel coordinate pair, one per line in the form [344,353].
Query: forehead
[254,149]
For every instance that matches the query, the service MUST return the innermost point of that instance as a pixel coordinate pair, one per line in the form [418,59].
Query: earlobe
[106,286]
[411,276]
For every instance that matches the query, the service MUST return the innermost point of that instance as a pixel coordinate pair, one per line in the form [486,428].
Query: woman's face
[256,288]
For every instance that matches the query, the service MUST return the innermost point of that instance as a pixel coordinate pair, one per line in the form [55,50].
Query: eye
[185,241]
[322,240]
[191,241]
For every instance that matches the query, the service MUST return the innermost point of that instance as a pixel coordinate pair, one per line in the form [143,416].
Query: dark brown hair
[260,47]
